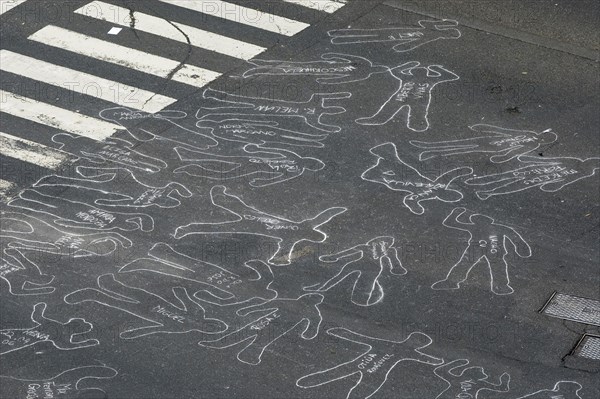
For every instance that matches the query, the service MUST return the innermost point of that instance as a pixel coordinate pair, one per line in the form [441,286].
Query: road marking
[171,30]
[7,5]
[329,6]
[83,83]
[56,117]
[123,56]
[243,15]
[29,151]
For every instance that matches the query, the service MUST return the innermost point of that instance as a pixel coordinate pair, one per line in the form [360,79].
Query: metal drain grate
[573,308]
[588,347]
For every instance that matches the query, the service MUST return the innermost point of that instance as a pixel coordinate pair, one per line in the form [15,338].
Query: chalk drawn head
[479,219]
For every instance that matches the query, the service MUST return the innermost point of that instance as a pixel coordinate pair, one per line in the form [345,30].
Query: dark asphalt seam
[511,33]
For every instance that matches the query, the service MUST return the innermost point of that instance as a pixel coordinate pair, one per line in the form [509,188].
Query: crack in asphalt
[132,22]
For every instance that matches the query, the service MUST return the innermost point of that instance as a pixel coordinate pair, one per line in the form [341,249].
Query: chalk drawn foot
[502,289]
[446,285]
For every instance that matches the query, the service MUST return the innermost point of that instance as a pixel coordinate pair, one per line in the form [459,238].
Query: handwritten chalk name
[96,217]
[132,115]
[240,129]
[69,242]
[513,141]
[261,219]
[228,280]
[171,315]
[465,387]
[149,196]
[7,268]
[319,70]
[278,164]
[404,36]
[409,89]
[47,390]
[285,110]
[264,322]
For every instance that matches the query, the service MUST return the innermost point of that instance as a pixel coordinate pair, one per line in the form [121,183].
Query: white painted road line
[243,15]
[124,56]
[31,152]
[7,5]
[329,6]
[56,117]
[83,83]
[171,30]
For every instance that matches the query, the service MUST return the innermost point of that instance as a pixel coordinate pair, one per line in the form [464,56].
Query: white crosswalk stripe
[30,151]
[7,5]
[82,83]
[243,15]
[329,6]
[124,56]
[59,118]
[172,30]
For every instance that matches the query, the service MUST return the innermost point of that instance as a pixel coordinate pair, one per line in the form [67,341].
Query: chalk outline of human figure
[253,350]
[556,389]
[37,284]
[417,114]
[386,261]
[103,295]
[271,68]
[411,200]
[450,371]
[79,146]
[351,367]
[38,317]
[187,136]
[167,261]
[284,248]
[382,35]
[41,228]
[521,248]
[508,178]
[102,372]
[90,180]
[29,197]
[262,156]
[231,103]
[286,137]
[470,145]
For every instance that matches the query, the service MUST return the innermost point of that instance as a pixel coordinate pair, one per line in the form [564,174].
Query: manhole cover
[588,347]
[573,308]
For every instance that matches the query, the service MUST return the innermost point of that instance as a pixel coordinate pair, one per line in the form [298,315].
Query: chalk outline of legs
[264,177]
[138,219]
[107,175]
[555,389]
[451,24]
[128,334]
[114,141]
[280,248]
[410,194]
[460,363]
[353,251]
[333,78]
[38,312]
[461,146]
[350,373]
[301,139]
[406,69]
[222,111]
[128,268]
[53,248]
[35,288]
[174,115]
[533,162]
[250,340]
[76,384]
[483,257]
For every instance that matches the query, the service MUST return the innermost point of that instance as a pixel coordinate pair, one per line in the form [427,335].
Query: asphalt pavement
[299,199]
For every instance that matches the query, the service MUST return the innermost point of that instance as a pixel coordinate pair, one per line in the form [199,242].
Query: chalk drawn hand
[467,381]
[184,316]
[489,243]
[171,126]
[373,367]
[503,144]
[262,133]
[413,95]
[397,175]
[64,336]
[220,285]
[366,264]
[408,38]
[283,316]
[562,390]
[249,220]
[549,174]
[69,384]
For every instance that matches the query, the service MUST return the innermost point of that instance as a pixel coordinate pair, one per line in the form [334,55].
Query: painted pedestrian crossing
[104,84]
